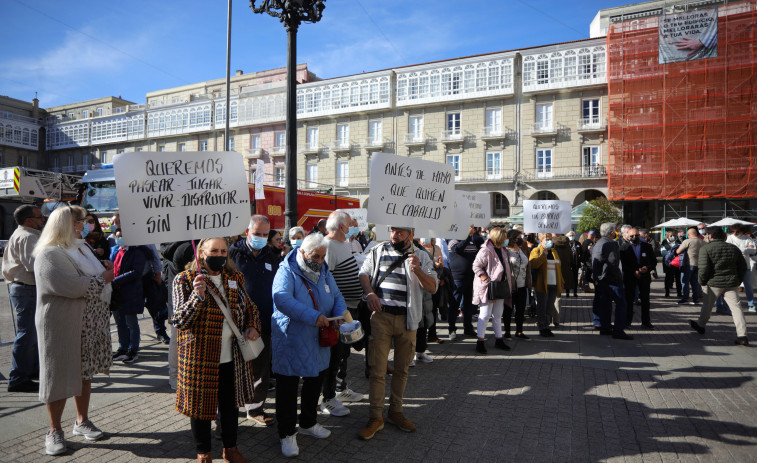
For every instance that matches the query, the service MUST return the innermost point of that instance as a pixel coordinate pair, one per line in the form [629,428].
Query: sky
[79,50]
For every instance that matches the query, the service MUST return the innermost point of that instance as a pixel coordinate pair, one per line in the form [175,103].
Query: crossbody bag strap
[391,268]
[312,296]
[224,308]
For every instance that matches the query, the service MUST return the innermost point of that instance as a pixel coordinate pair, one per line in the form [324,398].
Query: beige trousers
[385,328]
[731,296]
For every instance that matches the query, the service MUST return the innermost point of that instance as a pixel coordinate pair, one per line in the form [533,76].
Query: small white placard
[359,214]
[549,216]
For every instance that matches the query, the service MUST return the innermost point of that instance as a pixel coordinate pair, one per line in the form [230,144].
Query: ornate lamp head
[291,12]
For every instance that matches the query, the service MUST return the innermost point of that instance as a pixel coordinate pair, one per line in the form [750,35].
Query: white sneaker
[289,446]
[334,407]
[412,362]
[317,431]
[752,309]
[88,430]
[452,337]
[55,443]
[348,395]
[423,357]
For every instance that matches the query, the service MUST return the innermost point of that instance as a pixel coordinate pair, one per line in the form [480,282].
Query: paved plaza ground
[668,395]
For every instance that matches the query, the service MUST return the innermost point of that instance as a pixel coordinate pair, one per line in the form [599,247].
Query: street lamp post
[291,13]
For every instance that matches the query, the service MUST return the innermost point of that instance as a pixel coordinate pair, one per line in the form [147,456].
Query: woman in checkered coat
[212,372]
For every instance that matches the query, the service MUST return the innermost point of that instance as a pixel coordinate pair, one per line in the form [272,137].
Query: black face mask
[399,246]
[215,263]
[635,240]
[519,241]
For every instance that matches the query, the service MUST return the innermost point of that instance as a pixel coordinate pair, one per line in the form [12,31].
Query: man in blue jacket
[259,264]
[461,256]
[608,280]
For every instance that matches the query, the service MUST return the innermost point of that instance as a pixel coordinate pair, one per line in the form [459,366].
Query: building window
[312,140]
[204,145]
[494,121]
[85,113]
[312,175]
[374,133]
[493,165]
[544,163]
[139,150]
[453,125]
[231,143]
[590,113]
[343,135]
[591,162]
[161,148]
[99,111]
[544,117]
[564,68]
[415,128]
[279,176]
[255,142]
[454,161]
[121,151]
[182,146]
[501,205]
[342,173]
[279,139]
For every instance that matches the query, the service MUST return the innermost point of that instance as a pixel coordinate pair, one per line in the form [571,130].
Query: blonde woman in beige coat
[68,277]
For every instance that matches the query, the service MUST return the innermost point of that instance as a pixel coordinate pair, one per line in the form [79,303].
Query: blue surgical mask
[506,242]
[354,231]
[702,232]
[548,244]
[120,241]
[483,235]
[84,232]
[571,237]
[257,243]
[297,242]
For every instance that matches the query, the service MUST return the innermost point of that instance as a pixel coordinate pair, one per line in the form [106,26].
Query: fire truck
[98,195]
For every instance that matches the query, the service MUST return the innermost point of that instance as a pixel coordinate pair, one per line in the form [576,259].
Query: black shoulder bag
[499,289]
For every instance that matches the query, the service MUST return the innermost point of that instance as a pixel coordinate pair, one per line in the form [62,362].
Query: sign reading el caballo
[411,192]
[546,216]
[173,196]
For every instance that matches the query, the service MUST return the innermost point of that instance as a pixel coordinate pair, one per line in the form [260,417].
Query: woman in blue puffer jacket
[304,296]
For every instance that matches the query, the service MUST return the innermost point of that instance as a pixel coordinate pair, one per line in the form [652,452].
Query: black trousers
[519,307]
[227,409]
[672,275]
[286,402]
[336,375]
[643,283]
[421,339]
[261,370]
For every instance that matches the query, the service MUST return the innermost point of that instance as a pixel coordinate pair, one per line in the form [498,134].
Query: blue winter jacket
[294,336]
[129,280]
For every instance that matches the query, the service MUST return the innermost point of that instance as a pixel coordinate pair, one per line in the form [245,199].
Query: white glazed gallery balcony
[592,124]
[415,139]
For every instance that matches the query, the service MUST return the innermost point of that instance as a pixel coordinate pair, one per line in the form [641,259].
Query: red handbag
[327,335]
[676,262]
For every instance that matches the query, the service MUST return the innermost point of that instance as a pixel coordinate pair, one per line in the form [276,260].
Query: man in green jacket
[721,270]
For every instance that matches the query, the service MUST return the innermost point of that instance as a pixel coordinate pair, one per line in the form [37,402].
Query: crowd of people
[293,292]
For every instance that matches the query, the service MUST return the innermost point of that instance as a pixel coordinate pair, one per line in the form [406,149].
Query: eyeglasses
[90,220]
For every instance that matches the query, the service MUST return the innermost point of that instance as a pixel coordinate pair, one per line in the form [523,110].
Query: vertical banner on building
[546,216]
[410,192]
[181,195]
[688,36]
[259,176]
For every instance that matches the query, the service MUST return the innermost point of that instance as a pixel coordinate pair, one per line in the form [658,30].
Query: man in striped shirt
[393,277]
[344,268]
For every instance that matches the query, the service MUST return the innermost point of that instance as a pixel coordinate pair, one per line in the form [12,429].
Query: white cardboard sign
[410,192]
[361,215]
[172,196]
[546,216]
[470,209]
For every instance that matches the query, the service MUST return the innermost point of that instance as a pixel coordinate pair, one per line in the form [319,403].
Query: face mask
[702,232]
[399,246]
[483,235]
[91,227]
[519,241]
[548,244]
[506,242]
[571,237]
[672,239]
[354,231]
[120,241]
[297,242]
[84,232]
[313,265]
[215,263]
[635,240]
[257,243]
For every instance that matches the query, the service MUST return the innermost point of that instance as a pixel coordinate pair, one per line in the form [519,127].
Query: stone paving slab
[669,395]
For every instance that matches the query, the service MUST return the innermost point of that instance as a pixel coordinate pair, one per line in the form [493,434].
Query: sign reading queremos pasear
[548,216]
[173,196]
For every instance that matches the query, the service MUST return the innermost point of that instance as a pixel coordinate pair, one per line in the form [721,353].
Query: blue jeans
[748,289]
[690,282]
[605,294]
[128,331]
[25,356]
[463,294]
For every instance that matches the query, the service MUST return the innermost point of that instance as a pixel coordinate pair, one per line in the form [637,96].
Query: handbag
[499,289]
[327,335]
[249,349]
[676,262]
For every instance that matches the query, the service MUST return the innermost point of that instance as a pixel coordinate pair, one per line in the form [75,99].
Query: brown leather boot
[232,455]
[205,457]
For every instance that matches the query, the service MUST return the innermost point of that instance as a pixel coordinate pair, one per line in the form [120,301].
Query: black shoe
[622,335]
[500,344]
[120,354]
[557,325]
[163,337]
[470,333]
[547,333]
[685,301]
[597,327]
[740,341]
[29,386]
[697,301]
[647,326]
[131,357]
[481,347]
[605,332]
[508,335]
[667,294]
[522,336]
[695,326]
[637,302]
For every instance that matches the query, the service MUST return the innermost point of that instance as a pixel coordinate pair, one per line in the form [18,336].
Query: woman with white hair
[296,235]
[73,292]
[305,295]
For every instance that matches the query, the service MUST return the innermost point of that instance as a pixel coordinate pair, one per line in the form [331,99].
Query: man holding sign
[393,276]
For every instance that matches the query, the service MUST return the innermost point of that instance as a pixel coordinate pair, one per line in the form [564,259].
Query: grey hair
[607,228]
[624,229]
[336,219]
[294,230]
[312,242]
[256,219]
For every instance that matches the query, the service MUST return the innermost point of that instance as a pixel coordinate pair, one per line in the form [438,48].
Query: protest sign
[173,196]
[546,216]
[411,192]
[688,35]
[361,215]
[470,209]
[259,176]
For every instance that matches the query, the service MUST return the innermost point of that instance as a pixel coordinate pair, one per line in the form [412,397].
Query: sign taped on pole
[181,195]
[360,214]
[546,216]
[259,176]
[409,192]
[470,209]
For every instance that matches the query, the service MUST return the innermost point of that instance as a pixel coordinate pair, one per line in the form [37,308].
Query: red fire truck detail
[311,207]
